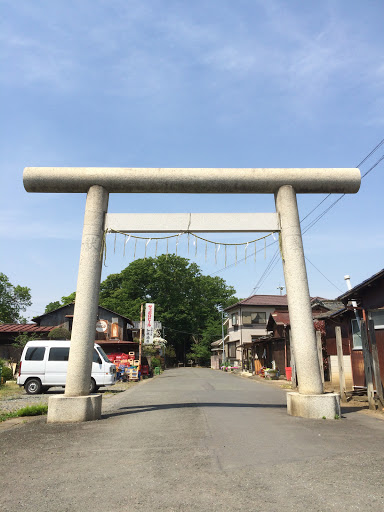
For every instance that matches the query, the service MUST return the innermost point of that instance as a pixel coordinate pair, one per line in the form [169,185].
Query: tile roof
[273,300]
[280,317]
[25,328]
[330,314]
[261,300]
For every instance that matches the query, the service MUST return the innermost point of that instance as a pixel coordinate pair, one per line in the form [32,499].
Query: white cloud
[135,49]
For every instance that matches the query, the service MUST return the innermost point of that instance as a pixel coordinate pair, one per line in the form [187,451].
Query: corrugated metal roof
[38,318]
[350,294]
[330,314]
[25,328]
[116,342]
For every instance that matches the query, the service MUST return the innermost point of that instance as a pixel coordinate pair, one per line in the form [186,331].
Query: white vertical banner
[149,323]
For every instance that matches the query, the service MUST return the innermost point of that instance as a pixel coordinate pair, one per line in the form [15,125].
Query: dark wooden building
[113,331]
[368,297]
[275,347]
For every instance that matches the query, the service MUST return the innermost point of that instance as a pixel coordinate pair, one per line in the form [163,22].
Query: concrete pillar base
[314,406]
[74,409]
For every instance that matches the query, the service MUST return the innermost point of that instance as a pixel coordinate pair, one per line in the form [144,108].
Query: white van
[44,364]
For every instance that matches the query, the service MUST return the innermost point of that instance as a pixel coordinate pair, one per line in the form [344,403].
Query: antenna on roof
[281,288]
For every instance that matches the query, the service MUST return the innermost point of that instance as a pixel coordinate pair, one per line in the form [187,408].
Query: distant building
[247,322]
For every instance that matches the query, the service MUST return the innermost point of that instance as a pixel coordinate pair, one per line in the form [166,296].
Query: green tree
[201,349]
[58,304]
[13,301]
[52,306]
[187,302]
[23,337]
[59,333]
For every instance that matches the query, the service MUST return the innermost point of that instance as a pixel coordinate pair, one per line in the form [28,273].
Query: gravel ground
[15,402]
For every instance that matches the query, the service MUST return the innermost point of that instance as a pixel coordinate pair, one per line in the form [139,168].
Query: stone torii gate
[97,182]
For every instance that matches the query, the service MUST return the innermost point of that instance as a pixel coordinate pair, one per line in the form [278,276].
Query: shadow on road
[347,410]
[148,408]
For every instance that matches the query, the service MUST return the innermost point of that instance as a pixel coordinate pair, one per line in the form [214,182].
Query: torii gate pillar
[77,404]
[310,402]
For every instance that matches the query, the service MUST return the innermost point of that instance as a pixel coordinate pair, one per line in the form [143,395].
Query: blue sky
[171,83]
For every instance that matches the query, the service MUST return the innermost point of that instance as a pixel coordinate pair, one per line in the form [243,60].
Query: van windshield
[103,354]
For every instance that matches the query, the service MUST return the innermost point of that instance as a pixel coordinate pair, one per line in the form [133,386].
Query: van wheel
[93,388]
[33,387]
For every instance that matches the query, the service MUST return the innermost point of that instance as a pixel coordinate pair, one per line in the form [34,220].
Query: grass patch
[30,410]
[10,389]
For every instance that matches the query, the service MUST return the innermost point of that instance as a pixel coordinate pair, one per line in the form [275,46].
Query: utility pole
[141,333]
[222,334]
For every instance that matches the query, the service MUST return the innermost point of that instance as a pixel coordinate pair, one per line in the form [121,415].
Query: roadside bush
[6,374]
[155,361]
[59,333]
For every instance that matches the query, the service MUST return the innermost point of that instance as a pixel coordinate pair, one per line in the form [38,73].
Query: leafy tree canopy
[57,304]
[59,333]
[187,302]
[13,301]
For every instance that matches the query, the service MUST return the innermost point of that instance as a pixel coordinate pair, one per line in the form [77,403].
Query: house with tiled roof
[249,330]
[247,322]
[275,347]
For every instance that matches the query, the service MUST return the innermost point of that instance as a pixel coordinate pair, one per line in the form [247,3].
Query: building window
[356,335]
[254,318]
[232,350]
[235,319]
[378,319]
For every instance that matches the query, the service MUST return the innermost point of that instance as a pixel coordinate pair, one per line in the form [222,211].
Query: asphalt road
[195,440]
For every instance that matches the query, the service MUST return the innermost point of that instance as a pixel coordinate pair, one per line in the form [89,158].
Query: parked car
[44,364]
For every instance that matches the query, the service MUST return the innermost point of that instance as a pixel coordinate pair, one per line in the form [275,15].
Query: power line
[316,220]
[269,269]
[273,261]
[373,166]
[358,165]
[371,153]
[266,272]
[243,259]
[333,284]
[311,224]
